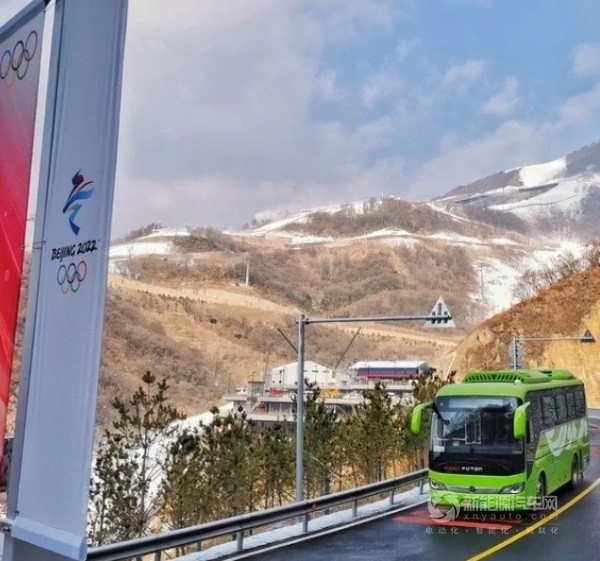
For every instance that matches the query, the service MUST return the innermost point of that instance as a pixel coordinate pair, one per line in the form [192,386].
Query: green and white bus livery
[502,440]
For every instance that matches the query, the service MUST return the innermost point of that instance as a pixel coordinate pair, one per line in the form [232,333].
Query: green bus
[503,440]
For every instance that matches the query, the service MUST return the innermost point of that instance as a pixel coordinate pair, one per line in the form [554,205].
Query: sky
[239,109]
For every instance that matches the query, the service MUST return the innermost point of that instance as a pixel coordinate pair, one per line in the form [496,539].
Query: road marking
[533,527]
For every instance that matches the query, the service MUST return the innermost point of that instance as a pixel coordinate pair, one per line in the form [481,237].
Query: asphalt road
[572,535]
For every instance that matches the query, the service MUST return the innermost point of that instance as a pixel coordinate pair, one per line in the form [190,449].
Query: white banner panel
[63,381]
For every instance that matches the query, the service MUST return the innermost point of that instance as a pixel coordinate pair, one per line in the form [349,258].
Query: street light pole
[300,411]
[439,317]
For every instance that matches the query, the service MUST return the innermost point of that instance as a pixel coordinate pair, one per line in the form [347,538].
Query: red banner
[20,51]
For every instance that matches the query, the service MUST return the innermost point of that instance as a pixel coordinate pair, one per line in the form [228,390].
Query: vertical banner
[58,434]
[20,52]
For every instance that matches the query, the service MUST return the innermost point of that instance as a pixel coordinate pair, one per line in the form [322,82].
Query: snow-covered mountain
[514,220]
[557,196]
[500,226]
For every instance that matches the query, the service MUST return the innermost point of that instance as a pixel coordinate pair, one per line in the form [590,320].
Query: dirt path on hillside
[209,295]
[436,337]
[242,299]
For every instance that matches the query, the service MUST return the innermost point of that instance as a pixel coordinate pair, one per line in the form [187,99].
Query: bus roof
[509,382]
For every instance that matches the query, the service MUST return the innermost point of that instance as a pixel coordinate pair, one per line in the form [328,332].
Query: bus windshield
[475,435]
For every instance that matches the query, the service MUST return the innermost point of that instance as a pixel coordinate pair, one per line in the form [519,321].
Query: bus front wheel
[540,487]
[575,473]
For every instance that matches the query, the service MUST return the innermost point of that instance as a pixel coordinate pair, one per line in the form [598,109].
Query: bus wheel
[575,475]
[540,487]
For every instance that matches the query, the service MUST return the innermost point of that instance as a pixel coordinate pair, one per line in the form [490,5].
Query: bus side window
[579,401]
[535,417]
[548,411]
[571,405]
[561,406]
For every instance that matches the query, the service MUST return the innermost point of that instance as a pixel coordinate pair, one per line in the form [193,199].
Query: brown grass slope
[565,309]
[190,323]
[363,279]
[417,218]
[209,347]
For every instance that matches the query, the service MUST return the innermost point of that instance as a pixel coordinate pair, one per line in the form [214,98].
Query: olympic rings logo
[70,277]
[16,62]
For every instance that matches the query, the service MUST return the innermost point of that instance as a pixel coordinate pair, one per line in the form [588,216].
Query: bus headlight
[513,489]
[433,484]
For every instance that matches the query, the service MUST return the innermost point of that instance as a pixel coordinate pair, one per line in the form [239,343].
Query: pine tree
[129,464]
[322,444]
[277,457]
[372,436]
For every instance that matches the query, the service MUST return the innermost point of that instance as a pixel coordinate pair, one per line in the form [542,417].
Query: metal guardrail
[237,526]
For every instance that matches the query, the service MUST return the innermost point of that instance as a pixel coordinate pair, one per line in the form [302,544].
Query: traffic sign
[440,316]
[588,337]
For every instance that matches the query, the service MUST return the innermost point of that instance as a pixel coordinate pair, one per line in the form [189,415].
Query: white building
[285,376]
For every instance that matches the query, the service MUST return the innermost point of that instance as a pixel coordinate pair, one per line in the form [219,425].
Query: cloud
[224,92]
[505,101]
[511,143]
[464,74]
[380,87]
[587,59]
[326,88]
[405,48]
[578,109]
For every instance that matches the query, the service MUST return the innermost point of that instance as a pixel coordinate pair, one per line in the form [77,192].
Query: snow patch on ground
[203,418]
[358,207]
[568,197]
[455,238]
[386,233]
[307,240]
[146,244]
[541,174]
[134,249]
[168,233]
[499,282]
[500,279]
[503,241]
[398,242]
[445,211]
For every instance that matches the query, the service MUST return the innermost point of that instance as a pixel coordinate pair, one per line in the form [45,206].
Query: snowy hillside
[560,195]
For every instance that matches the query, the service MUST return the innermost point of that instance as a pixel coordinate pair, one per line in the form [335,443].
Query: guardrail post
[392,496]
[305,520]
[354,508]
[157,555]
[198,546]
[240,540]
[421,485]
